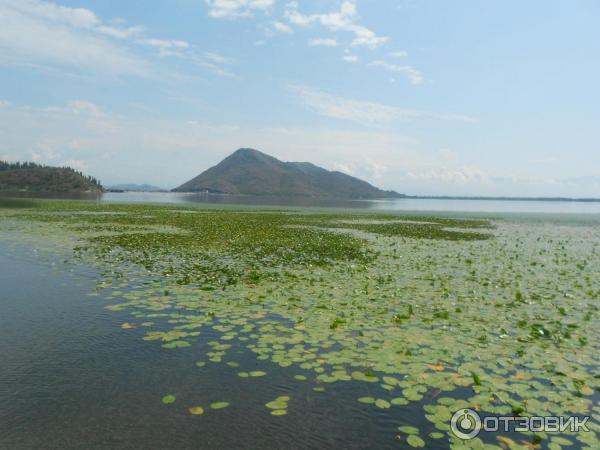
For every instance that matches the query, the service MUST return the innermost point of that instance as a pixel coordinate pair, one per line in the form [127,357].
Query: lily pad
[168,399]
[415,441]
[219,405]
[196,410]
[383,404]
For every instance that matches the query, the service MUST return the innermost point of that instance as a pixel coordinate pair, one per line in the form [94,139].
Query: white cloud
[72,17]
[399,54]
[342,20]
[328,105]
[413,75]
[350,58]
[282,27]
[364,112]
[167,47]
[36,33]
[120,33]
[236,8]
[217,58]
[165,44]
[75,17]
[323,42]
[43,35]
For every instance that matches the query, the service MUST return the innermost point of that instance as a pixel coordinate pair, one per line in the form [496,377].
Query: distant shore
[50,194]
[509,199]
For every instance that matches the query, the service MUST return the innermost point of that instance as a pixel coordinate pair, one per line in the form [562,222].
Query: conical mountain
[251,172]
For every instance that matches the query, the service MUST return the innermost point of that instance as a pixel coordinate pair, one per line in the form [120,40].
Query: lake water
[408,204]
[71,378]
[486,207]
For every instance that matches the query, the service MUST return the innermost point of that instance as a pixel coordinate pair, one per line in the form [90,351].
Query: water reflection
[383,205]
[402,204]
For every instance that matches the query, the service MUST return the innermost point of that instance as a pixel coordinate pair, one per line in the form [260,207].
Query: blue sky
[420,96]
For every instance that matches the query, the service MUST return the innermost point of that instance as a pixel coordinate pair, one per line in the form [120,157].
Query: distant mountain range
[135,188]
[250,172]
[31,177]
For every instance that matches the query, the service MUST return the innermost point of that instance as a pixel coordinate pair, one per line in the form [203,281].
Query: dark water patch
[71,377]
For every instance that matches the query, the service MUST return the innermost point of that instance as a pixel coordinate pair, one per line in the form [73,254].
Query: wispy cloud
[53,38]
[217,58]
[73,17]
[413,75]
[323,42]
[216,63]
[230,9]
[167,47]
[343,20]
[328,105]
[282,27]
[40,33]
[364,112]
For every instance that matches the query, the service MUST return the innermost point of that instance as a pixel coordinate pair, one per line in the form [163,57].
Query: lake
[416,205]
[153,325]
[408,204]
[71,378]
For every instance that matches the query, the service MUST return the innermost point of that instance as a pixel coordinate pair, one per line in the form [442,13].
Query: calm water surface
[409,204]
[387,205]
[71,378]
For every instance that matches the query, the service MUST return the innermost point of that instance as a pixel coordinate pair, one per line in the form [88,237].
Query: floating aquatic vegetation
[279,406]
[219,405]
[196,410]
[415,441]
[168,399]
[447,313]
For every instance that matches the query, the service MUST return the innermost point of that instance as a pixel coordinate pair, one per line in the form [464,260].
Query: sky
[424,97]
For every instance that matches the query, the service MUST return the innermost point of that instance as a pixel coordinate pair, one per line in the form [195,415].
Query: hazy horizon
[420,97]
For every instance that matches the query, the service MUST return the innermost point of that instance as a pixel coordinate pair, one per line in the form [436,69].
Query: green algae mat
[500,316]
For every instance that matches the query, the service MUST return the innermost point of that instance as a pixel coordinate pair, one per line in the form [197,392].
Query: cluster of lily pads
[499,316]
[195,410]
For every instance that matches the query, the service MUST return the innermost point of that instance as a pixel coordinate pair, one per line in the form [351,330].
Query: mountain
[33,177]
[135,188]
[250,172]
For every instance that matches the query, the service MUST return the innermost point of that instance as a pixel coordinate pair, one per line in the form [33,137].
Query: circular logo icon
[465,424]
